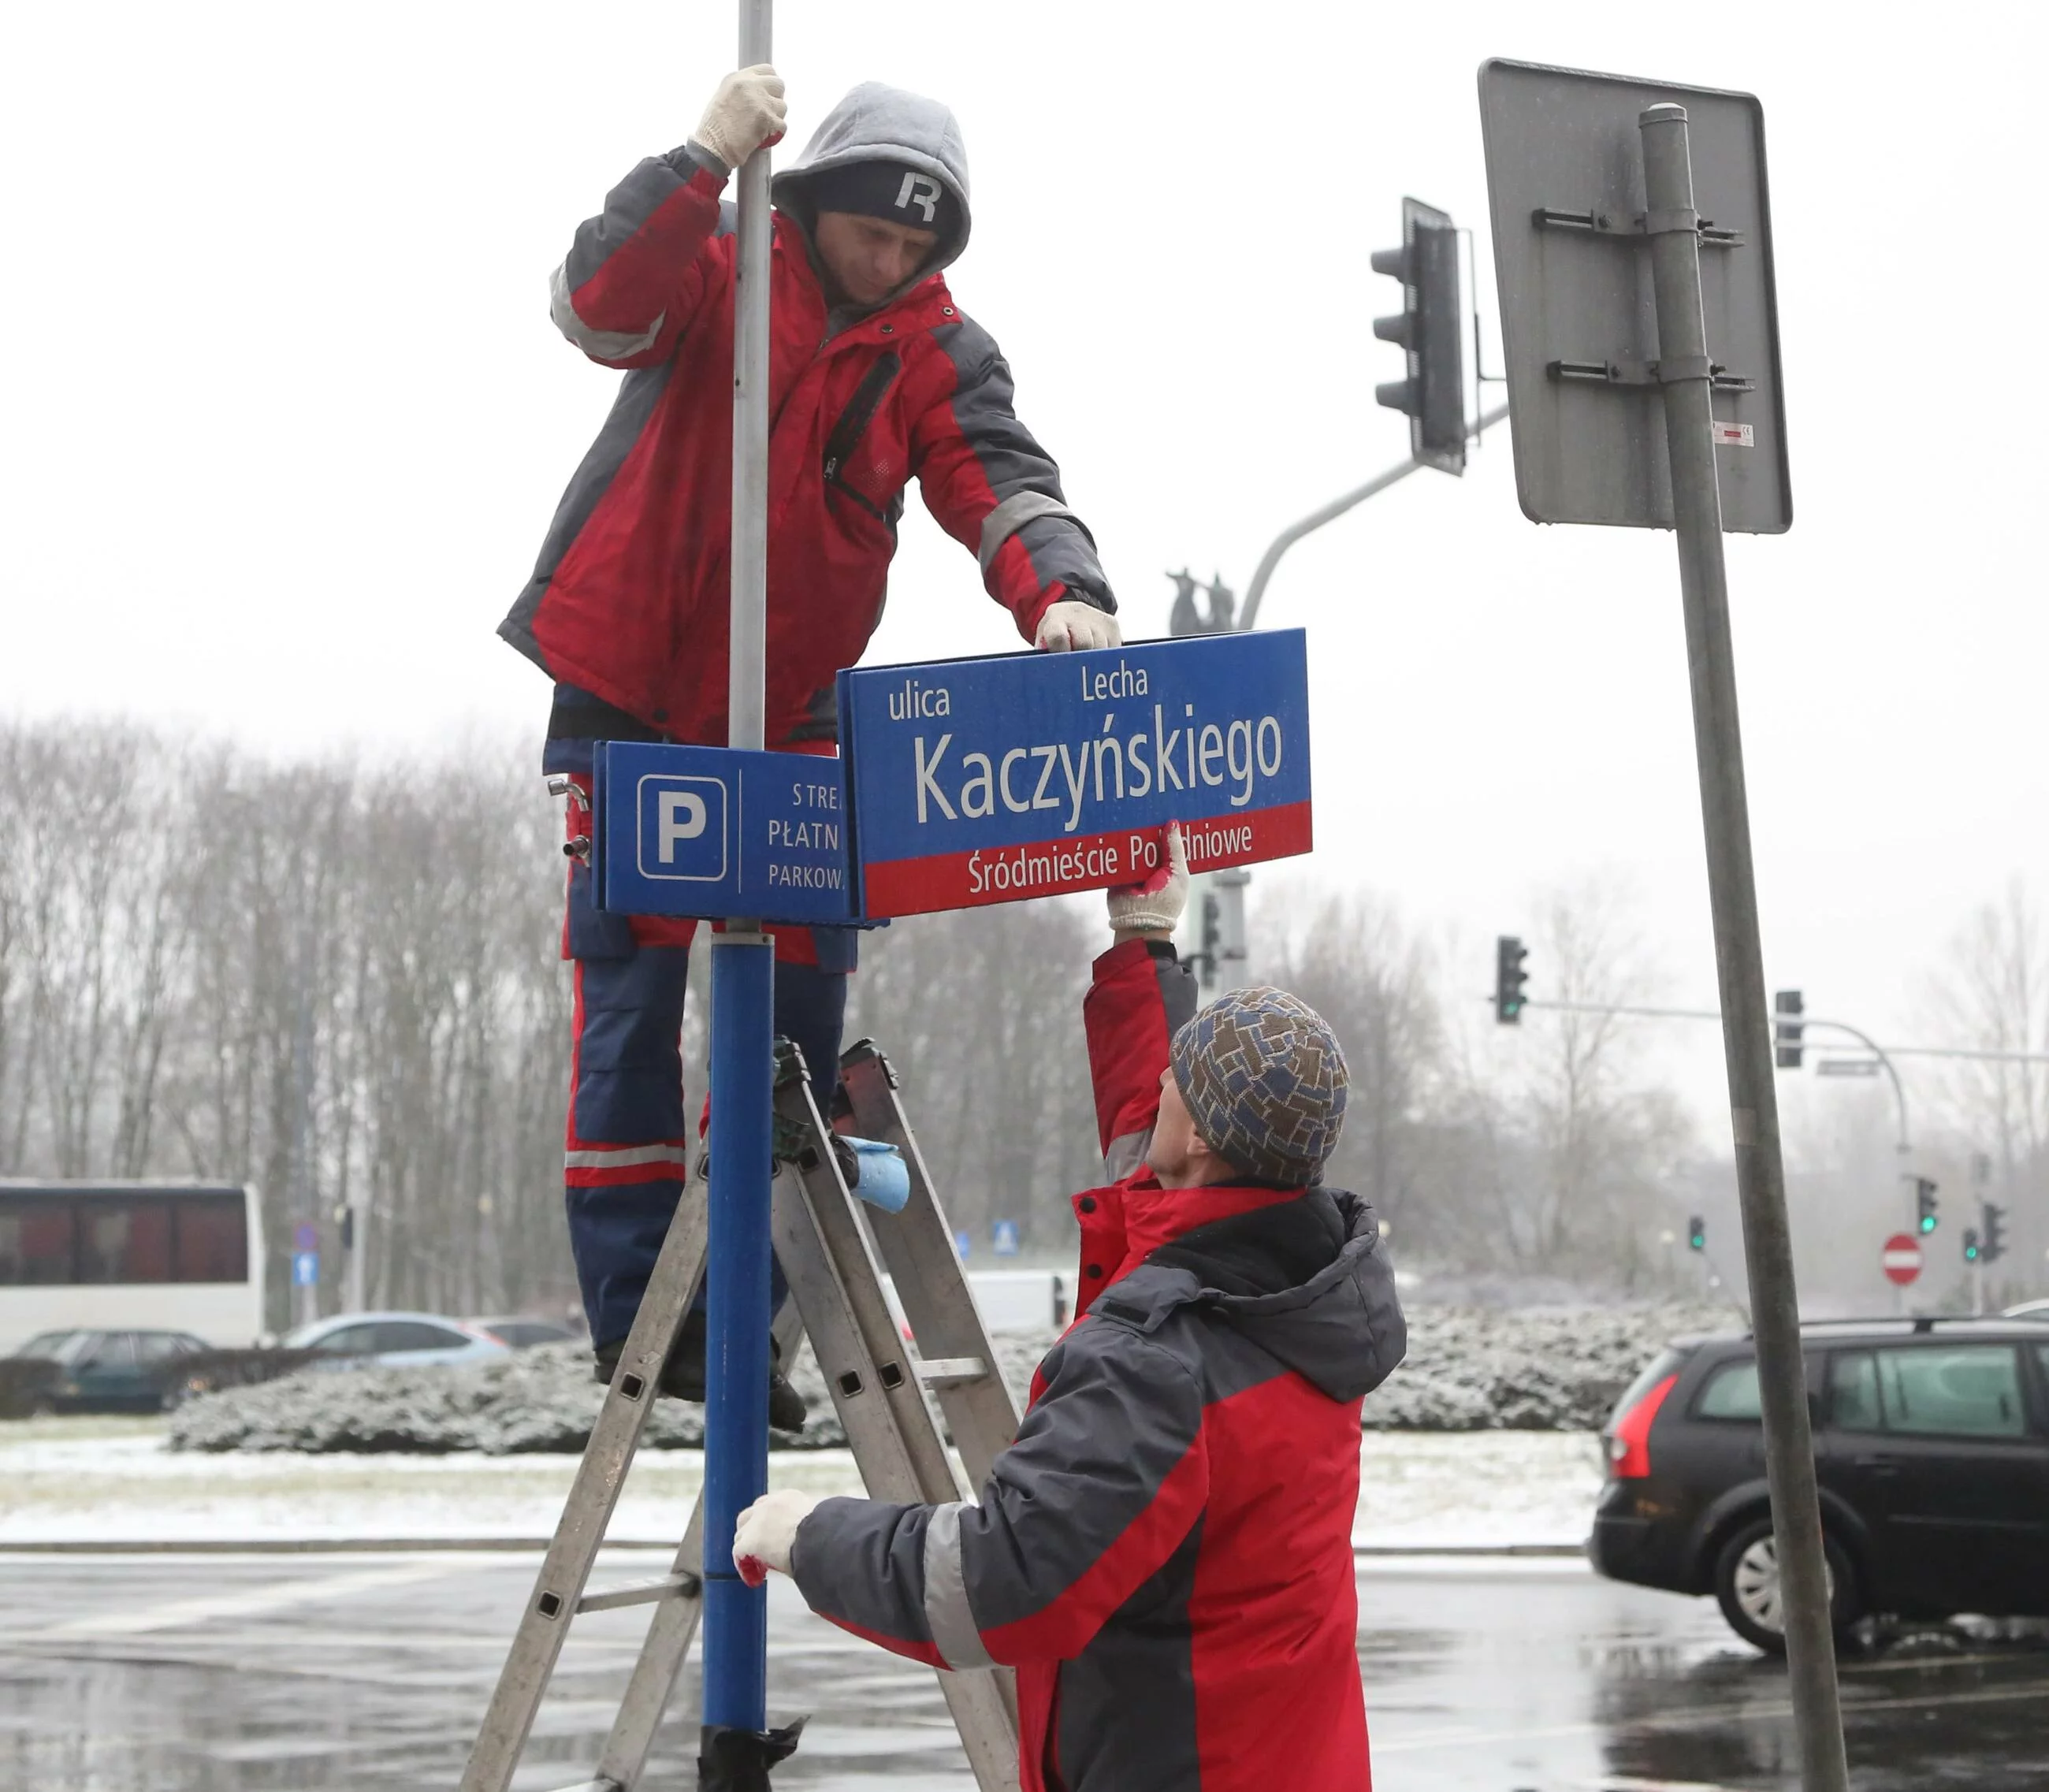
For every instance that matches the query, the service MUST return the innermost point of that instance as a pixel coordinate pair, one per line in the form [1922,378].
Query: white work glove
[1155,905]
[747,111]
[766,1532]
[1068,625]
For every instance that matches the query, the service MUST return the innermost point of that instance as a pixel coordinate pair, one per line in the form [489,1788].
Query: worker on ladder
[1164,1554]
[876,377]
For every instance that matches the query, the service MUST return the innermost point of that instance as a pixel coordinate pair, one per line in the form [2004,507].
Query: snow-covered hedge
[1553,1368]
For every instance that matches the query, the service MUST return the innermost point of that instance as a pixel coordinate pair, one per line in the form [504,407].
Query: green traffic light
[1928,1223]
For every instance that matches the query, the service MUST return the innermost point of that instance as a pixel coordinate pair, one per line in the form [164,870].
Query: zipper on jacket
[853,421]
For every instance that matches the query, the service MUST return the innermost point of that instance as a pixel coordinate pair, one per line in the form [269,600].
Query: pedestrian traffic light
[1994,1220]
[1430,327]
[1924,1204]
[1971,1252]
[1509,977]
[1787,1031]
[1697,1233]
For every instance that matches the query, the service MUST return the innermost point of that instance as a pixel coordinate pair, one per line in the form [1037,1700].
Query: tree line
[339,980]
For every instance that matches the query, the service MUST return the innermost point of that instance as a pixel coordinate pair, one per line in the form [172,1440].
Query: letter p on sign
[682,819]
[682,828]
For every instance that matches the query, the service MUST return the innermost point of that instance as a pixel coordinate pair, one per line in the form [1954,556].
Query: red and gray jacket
[629,601]
[1164,1554]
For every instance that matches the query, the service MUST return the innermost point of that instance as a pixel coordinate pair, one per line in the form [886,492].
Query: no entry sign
[1901,1258]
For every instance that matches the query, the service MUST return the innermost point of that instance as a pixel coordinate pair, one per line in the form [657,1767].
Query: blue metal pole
[736,1616]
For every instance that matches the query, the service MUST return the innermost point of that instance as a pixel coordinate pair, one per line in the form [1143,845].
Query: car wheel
[1747,1590]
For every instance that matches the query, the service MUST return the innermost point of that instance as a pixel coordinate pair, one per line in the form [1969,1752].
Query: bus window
[125,1242]
[213,1239]
[38,1243]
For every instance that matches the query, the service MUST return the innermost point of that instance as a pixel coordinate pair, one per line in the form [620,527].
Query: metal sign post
[736,1616]
[1571,226]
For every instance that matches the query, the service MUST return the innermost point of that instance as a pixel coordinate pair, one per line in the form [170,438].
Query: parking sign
[681,835]
[709,831]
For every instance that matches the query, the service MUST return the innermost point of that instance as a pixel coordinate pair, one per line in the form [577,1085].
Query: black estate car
[1932,1444]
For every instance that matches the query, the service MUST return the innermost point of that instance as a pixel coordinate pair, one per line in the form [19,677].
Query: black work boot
[683,1374]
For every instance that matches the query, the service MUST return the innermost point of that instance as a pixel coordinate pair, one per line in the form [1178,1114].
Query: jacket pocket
[846,436]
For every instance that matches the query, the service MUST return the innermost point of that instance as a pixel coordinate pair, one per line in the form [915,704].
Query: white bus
[130,1256]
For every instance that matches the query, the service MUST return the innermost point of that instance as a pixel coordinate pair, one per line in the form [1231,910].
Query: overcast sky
[285,418]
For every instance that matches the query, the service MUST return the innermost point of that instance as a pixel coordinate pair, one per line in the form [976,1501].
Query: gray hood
[878,123]
[1305,1281]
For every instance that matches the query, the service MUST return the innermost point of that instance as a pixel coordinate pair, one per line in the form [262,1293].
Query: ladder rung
[635,1592]
[947,1371]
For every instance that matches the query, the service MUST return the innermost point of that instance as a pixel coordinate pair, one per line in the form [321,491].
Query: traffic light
[1212,939]
[1924,1204]
[1697,1233]
[1971,1251]
[1787,1031]
[1431,327]
[1509,977]
[1994,1220]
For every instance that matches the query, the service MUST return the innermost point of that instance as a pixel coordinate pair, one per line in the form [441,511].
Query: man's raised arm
[637,271]
[1139,993]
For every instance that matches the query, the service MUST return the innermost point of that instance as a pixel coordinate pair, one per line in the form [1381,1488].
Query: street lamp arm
[1330,513]
[1857,1033]
[1878,1052]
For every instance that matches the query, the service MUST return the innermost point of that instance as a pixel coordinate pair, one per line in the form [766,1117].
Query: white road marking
[178,1613]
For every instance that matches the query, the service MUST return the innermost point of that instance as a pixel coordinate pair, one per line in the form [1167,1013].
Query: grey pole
[1330,513]
[748,652]
[1684,372]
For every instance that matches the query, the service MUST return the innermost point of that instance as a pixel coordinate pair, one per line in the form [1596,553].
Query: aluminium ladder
[827,1242]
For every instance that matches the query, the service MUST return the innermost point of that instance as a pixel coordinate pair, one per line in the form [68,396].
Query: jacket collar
[1125,1224]
[926,305]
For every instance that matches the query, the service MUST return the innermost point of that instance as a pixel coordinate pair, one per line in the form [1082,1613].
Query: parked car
[391,1340]
[1931,1446]
[91,1371]
[2029,1309]
[521,1333]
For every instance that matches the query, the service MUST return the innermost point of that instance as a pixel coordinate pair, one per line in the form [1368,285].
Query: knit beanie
[887,189]
[1264,1080]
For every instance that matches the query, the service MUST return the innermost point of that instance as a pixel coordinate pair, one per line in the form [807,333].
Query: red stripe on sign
[1084,861]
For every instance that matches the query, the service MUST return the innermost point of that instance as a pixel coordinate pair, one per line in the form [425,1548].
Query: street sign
[1003,1238]
[1901,1258]
[1579,321]
[305,1236]
[977,781]
[1846,1067]
[712,831]
[305,1268]
[963,1243]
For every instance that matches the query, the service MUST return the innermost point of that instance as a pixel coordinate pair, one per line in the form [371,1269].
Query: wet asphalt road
[285,1674]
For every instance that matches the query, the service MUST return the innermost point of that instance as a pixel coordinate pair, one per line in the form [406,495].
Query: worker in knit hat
[1177,1511]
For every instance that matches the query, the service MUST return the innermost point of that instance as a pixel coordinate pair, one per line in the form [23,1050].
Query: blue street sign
[711,831]
[1023,775]
[305,1236]
[962,1244]
[305,1268]
[973,781]
[1003,1238]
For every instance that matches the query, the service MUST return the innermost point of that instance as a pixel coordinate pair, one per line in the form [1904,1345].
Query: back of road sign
[1564,172]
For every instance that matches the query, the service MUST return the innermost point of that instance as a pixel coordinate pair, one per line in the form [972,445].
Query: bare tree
[1992,993]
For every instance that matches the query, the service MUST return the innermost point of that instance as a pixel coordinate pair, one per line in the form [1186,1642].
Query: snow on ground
[109,1481]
